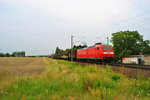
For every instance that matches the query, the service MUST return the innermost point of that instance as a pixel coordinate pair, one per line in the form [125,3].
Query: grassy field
[63,80]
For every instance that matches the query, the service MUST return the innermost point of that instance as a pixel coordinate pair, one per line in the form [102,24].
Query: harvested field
[18,66]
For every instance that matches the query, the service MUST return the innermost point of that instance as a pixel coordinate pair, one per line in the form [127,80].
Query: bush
[116,77]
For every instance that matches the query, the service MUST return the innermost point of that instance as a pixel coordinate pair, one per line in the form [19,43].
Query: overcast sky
[39,26]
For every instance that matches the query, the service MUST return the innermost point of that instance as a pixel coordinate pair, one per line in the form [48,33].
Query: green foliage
[14,54]
[104,84]
[146,49]
[32,88]
[127,43]
[79,47]
[116,77]
[71,65]
[141,88]
[63,80]
[2,55]
[18,54]
[60,69]
[7,55]
[90,69]
[108,69]
[59,51]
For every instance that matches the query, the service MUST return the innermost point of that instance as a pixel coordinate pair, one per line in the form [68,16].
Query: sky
[39,26]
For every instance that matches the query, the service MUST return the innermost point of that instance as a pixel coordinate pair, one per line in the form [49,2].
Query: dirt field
[21,66]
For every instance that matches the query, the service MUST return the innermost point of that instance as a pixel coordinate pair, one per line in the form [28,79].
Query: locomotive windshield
[107,48]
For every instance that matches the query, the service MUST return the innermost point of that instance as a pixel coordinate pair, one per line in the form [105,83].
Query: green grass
[63,80]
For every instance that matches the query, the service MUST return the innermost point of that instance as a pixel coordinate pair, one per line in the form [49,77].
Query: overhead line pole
[107,41]
[72,48]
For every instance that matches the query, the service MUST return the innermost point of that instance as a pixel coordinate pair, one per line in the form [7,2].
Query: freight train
[97,53]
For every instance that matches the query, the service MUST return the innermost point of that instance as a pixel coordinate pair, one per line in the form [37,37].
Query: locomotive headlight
[108,52]
[105,52]
[111,52]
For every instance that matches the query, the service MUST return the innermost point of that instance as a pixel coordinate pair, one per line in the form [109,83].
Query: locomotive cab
[105,52]
[98,52]
[108,53]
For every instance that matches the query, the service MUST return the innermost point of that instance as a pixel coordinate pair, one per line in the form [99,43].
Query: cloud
[51,22]
[80,10]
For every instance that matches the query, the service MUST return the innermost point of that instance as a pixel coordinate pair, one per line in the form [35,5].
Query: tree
[18,54]
[58,51]
[79,46]
[146,49]
[7,55]
[13,54]
[127,43]
[2,55]
[22,54]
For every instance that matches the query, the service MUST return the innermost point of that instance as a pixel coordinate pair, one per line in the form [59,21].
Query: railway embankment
[63,80]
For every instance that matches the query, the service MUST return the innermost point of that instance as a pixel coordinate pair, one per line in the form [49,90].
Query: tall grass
[63,80]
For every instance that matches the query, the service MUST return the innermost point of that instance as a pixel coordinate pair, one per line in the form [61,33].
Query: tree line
[14,54]
[59,51]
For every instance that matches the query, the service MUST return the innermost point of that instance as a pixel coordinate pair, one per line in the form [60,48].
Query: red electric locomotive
[99,52]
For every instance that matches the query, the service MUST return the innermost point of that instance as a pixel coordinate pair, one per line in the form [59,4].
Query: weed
[90,69]
[141,88]
[60,69]
[116,77]
[108,69]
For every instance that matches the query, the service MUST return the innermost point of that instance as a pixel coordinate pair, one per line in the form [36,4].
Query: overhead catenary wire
[141,15]
[79,40]
[105,34]
[135,24]
[135,21]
